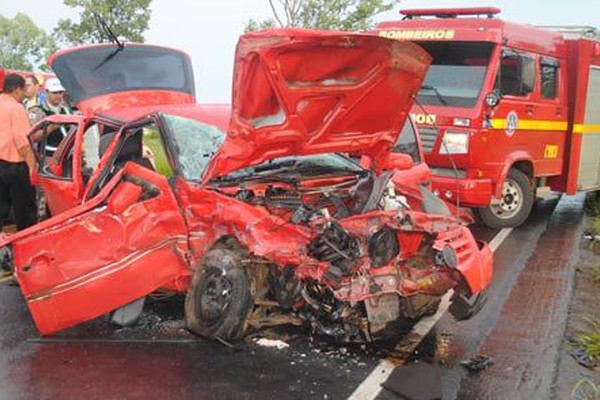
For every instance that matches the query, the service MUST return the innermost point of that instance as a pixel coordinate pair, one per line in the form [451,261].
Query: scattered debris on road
[477,363]
[278,344]
[582,358]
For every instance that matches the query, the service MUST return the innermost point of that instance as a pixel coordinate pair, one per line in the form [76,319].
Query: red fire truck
[505,108]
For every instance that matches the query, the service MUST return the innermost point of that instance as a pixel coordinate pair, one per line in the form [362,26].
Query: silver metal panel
[428,137]
[589,163]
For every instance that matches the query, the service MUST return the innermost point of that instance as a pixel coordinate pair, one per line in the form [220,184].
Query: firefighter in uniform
[16,157]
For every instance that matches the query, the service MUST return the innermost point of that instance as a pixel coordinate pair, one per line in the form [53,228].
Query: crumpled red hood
[298,92]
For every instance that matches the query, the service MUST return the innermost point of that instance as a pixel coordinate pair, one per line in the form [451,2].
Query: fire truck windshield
[456,74]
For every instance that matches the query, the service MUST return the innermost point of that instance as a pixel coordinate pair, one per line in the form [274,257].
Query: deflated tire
[219,300]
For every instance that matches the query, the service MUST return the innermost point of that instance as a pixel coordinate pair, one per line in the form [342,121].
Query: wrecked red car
[262,223]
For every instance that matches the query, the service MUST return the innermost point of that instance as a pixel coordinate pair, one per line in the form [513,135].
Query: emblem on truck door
[512,121]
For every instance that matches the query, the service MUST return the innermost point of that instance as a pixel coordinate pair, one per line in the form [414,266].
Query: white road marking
[499,238]
[371,386]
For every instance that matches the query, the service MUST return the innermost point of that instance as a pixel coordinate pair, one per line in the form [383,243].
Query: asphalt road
[520,328]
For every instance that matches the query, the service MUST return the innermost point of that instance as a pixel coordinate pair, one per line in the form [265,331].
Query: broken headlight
[447,256]
[383,247]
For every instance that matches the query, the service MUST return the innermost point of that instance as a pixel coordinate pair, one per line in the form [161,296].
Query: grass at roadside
[592,207]
[590,340]
[592,204]
[594,273]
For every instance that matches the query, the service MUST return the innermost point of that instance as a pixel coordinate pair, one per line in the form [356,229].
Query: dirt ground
[585,303]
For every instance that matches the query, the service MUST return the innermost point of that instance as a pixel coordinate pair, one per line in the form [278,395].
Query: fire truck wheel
[219,300]
[518,196]
[465,306]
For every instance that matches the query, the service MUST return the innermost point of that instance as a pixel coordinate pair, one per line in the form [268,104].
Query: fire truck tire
[518,197]
[219,300]
[463,307]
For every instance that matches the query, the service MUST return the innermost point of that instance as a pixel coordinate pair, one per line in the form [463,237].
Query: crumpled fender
[475,258]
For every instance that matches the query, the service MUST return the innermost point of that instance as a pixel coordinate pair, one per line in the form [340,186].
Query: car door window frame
[60,156]
[98,182]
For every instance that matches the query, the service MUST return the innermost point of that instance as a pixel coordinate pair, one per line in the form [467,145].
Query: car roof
[213,114]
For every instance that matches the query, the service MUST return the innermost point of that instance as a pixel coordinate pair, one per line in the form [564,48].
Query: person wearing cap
[53,104]
[17,160]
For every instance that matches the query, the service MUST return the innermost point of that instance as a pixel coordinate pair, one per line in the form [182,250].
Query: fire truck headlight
[455,142]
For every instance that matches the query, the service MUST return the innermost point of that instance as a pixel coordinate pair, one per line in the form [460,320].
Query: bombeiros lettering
[439,34]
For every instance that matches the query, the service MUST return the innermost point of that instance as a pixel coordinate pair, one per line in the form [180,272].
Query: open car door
[121,245]
[59,162]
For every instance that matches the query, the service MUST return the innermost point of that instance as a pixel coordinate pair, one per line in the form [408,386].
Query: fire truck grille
[428,137]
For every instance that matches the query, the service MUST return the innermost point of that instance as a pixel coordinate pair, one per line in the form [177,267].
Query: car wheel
[514,207]
[464,306]
[219,300]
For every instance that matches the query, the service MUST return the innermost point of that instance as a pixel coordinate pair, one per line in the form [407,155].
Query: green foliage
[254,25]
[590,341]
[128,19]
[24,46]
[592,204]
[595,274]
[347,15]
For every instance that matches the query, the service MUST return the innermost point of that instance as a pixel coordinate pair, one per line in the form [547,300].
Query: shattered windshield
[194,143]
[457,72]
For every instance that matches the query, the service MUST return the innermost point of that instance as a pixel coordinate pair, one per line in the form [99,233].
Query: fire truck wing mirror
[493,99]
[398,161]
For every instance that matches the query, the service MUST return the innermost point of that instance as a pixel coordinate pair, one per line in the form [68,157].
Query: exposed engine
[336,246]
[359,295]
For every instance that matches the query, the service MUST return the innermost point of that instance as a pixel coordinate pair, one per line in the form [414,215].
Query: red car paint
[547,141]
[136,232]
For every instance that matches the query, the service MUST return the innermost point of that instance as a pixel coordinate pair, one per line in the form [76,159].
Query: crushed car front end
[386,269]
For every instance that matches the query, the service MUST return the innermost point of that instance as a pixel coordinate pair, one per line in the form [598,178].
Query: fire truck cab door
[532,112]
[516,82]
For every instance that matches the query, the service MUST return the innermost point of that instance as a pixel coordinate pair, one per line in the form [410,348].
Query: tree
[24,45]
[128,19]
[348,15]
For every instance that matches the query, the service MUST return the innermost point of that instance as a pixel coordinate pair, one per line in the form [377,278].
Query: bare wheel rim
[511,201]
[215,298]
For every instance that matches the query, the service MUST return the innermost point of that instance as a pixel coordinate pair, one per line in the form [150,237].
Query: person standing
[17,160]
[33,96]
[54,103]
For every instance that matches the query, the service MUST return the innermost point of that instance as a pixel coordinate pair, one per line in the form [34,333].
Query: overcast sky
[208,29]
